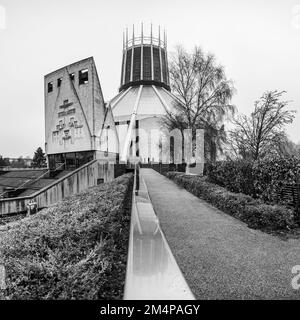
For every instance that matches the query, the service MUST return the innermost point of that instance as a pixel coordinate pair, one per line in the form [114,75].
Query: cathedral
[88,140]
[144,96]
[80,126]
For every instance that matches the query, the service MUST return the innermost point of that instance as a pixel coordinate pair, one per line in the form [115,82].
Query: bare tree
[262,133]
[204,95]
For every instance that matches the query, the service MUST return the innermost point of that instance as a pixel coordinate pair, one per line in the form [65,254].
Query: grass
[75,249]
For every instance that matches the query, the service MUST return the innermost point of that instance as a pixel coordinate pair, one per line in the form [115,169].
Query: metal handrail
[157,277]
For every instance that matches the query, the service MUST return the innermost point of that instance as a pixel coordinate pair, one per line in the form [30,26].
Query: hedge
[75,249]
[254,212]
[264,179]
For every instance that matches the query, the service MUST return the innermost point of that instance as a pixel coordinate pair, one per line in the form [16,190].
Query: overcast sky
[258,42]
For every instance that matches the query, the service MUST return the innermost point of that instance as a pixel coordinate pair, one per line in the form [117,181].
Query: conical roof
[146,100]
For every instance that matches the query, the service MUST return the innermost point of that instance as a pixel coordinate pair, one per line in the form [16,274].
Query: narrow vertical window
[50,86]
[83,76]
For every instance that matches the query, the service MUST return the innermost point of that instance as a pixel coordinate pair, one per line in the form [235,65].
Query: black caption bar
[91,310]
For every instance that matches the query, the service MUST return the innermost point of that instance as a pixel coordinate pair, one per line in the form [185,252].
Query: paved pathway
[220,257]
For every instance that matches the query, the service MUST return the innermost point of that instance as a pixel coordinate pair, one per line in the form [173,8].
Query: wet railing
[152,272]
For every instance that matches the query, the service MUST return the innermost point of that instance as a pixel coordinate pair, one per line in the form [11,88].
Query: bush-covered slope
[252,211]
[75,249]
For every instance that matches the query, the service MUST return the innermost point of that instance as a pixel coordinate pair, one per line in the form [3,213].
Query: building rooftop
[70,65]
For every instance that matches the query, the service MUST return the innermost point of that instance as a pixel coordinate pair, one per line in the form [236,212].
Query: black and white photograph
[149,154]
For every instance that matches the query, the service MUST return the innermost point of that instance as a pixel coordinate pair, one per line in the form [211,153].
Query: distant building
[144,96]
[79,126]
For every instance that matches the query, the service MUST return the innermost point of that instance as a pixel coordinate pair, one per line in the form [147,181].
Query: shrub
[268,216]
[271,176]
[252,211]
[75,249]
[264,179]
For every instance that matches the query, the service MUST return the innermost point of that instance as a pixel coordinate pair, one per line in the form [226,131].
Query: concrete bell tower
[76,117]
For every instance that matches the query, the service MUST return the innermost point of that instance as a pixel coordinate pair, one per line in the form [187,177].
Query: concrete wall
[149,132]
[149,144]
[77,181]
[107,138]
[74,126]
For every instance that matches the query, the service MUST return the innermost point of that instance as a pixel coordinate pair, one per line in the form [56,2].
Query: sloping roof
[13,182]
[25,174]
[15,179]
[152,101]
[89,59]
